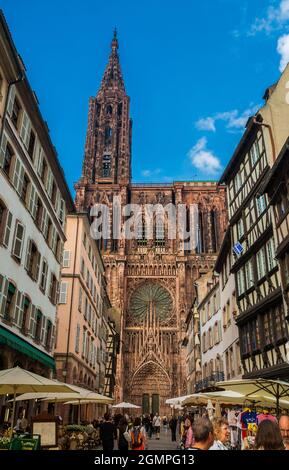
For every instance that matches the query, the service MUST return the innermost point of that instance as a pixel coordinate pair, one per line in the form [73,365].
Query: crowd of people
[192,432]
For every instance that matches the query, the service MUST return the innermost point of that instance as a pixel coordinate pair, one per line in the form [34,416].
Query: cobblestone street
[165,442]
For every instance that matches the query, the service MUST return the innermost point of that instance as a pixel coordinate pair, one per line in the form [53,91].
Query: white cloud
[283,50]
[206,124]
[149,173]
[274,20]
[234,119]
[204,159]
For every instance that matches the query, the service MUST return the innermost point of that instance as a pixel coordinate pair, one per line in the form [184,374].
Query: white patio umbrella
[274,389]
[125,405]
[16,380]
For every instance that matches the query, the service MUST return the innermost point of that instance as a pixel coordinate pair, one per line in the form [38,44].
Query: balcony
[209,383]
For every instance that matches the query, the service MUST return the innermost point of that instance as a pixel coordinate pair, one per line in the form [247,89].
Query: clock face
[151,296]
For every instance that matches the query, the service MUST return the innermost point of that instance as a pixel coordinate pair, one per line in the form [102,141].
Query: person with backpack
[138,438]
[123,435]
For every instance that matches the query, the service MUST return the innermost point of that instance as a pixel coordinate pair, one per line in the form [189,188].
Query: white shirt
[218,445]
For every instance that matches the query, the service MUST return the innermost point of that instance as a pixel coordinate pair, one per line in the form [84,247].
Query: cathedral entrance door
[146,403]
[155,403]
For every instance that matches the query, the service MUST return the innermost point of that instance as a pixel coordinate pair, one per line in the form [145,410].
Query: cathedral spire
[112,78]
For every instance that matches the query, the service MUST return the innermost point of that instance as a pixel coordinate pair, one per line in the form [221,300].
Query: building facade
[150,279]
[83,328]
[211,337]
[263,328]
[34,200]
[229,311]
[276,187]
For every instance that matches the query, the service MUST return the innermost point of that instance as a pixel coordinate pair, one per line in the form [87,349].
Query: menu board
[48,432]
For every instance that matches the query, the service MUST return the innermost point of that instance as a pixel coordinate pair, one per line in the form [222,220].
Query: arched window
[109,110]
[107,135]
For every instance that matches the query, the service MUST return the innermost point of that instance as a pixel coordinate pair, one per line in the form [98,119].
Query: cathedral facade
[150,278]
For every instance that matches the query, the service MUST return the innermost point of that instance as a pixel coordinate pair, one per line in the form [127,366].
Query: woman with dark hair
[268,437]
[122,431]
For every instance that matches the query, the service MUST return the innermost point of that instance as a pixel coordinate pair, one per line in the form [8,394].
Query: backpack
[136,440]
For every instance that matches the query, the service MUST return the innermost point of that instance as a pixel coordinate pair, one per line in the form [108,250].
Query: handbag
[127,435]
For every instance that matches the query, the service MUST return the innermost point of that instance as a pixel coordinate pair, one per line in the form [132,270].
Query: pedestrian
[107,433]
[173,427]
[268,437]
[138,439]
[189,443]
[157,425]
[284,429]
[123,435]
[221,434]
[203,434]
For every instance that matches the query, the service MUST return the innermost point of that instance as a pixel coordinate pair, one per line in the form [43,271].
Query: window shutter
[3,294]
[18,310]
[25,129]
[49,182]
[11,100]
[28,253]
[17,174]
[80,299]
[37,266]
[33,201]
[77,338]
[66,258]
[52,343]
[45,219]
[83,342]
[63,293]
[18,240]
[3,150]
[32,322]
[43,332]
[7,229]
[40,161]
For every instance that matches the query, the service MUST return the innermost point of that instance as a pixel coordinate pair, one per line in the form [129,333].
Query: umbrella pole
[79,409]
[13,412]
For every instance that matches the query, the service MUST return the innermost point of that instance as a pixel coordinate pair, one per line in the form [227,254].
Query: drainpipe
[260,123]
[10,84]
[71,300]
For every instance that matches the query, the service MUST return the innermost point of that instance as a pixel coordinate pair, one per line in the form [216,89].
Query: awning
[15,342]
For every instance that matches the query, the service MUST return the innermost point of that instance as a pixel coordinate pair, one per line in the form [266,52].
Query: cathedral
[151,280]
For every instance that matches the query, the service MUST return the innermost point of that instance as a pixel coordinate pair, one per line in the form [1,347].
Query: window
[77,338]
[53,288]
[7,164]
[107,136]
[63,293]
[25,318]
[5,224]
[270,249]
[39,213]
[53,193]
[254,153]
[8,307]
[18,241]
[15,113]
[261,204]
[49,331]
[241,281]
[25,129]
[238,182]
[24,191]
[261,263]
[106,166]
[62,211]
[240,228]
[66,259]
[43,277]
[249,274]
[31,145]
[38,325]
[32,260]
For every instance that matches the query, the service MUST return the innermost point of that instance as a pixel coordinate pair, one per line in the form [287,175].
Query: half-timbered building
[261,318]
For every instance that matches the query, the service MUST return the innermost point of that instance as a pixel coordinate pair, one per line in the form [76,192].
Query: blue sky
[195,70]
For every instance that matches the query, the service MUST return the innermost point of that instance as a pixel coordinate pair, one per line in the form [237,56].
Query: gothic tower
[150,279]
